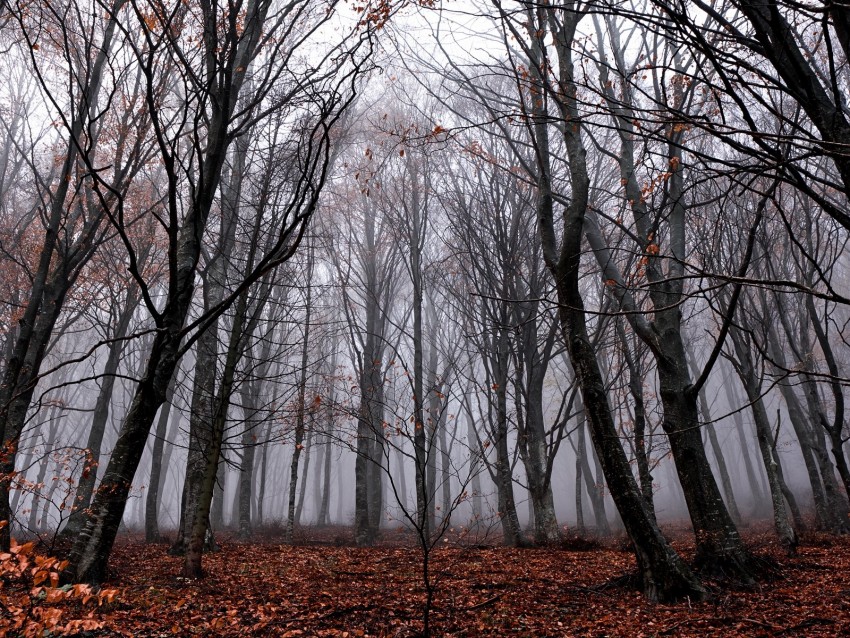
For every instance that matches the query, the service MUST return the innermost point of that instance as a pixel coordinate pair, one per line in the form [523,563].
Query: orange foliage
[34,603]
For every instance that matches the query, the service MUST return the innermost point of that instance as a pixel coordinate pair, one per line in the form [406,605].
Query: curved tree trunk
[664,575]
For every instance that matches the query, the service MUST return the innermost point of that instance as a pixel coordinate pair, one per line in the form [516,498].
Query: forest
[418,318]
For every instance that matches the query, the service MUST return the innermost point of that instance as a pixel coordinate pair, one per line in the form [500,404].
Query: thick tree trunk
[375,477]
[511,529]
[362,534]
[201,517]
[711,431]
[90,552]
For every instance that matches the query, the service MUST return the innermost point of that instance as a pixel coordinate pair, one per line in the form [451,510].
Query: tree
[212,80]
[74,207]
[663,573]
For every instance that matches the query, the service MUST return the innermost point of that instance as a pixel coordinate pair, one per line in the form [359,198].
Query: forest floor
[324,587]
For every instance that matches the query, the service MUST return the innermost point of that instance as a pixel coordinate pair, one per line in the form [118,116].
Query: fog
[513,273]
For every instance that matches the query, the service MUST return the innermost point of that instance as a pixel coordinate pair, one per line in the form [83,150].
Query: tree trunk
[49,444]
[302,490]
[580,450]
[156,476]
[57,270]
[755,483]
[664,575]
[100,416]
[536,457]
[711,431]
[325,508]
[201,517]
[247,392]
[301,415]
[831,513]
[635,367]
[752,388]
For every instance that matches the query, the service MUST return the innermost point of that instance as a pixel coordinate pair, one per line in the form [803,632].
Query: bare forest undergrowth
[323,586]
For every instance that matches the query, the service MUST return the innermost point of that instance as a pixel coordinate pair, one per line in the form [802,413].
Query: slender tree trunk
[580,452]
[301,416]
[828,509]
[432,424]
[207,356]
[264,464]
[475,467]
[49,444]
[156,476]
[756,489]
[217,508]
[100,416]
[318,473]
[249,448]
[57,270]
[836,428]
[635,368]
[546,530]
[420,443]
[752,388]
[446,473]
[324,510]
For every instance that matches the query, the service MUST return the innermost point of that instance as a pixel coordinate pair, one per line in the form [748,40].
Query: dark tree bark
[92,547]
[635,368]
[62,256]
[711,432]
[719,544]
[664,575]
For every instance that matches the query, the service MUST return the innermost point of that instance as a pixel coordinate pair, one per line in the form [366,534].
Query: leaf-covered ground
[320,589]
